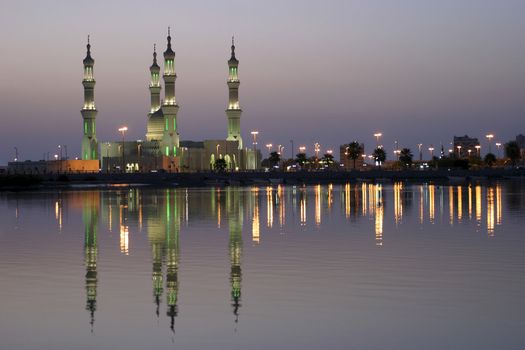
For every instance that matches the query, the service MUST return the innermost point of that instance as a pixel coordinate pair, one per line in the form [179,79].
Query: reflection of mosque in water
[162,212]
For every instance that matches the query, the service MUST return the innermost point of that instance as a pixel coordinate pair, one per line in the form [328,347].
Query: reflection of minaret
[156,237]
[235,220]
[172,255]
[90,219]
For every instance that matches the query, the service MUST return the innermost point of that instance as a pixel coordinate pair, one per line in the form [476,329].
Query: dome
[155,127]
[88,60]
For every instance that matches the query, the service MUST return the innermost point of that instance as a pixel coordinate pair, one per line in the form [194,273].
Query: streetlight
[16,154]
[419,145]
[478,147]
[498,145]
[302,149]
[280,149]
[377,136]
[123,130]
[269,145]
[218,145]
[469,153]
[254,134]
[431,150]
[459,150]
[317,148]
[490,136]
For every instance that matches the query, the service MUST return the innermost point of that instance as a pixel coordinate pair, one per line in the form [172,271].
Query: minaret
[234,110]
[89,111]
[155,128]
[170,138]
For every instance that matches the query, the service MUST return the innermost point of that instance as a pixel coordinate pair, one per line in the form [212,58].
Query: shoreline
[214,179]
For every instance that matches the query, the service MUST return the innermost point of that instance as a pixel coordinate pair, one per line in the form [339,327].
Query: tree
[219,165]
[405,157]
[490,159]
[274,159]
[300,159]
[328,160]
[512,151]
[354,151]
[379,155]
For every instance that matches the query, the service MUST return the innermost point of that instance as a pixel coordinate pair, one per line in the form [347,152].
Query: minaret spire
[89,111]
[234,110]
[155,125]
[170,137]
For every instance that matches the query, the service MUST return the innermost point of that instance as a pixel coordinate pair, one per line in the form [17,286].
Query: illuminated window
[167,151]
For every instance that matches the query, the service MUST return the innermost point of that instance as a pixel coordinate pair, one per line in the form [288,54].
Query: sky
[311,71]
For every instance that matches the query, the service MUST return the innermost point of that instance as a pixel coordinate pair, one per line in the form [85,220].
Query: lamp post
[498,145]
[431,150]
[317,149]
[469,153]
[459,150]
[302,149]
[254,134]
[377,136]
[123,130]
[16,154]
[419,145]
[490,136]
[269,146]
[217,147]
[108,145]
[478,147]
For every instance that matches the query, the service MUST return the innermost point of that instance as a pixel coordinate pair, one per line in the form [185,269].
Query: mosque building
[162,148]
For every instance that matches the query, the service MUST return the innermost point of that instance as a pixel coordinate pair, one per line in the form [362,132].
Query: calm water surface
[364,266]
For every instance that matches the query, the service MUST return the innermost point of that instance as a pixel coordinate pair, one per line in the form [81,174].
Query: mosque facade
[162,149]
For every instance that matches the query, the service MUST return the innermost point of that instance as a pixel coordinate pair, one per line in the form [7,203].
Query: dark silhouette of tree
[274,159]
[219,165]
[405,157]
[379,155]
[300,159]
[512,151]
[490,159]
[328,160]
[354,151]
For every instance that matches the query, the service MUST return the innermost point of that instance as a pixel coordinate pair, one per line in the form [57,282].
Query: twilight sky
[328,71]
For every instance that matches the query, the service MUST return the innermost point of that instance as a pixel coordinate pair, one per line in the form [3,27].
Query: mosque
[162,149]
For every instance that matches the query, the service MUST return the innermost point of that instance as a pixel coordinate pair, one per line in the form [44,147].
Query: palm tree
[300,158]
[512,151]
[490,159]
[220,165]
[328,160]
[353,151]
[274,159]
[379,155]
[405,156]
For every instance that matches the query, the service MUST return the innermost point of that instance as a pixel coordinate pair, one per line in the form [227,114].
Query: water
[335,267]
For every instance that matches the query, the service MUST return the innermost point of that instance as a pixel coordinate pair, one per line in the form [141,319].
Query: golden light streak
[302,206]
[460,203]
[255,219]
[421,206]
[347,201]
[478,204]
[269,206]
[490,211]
[398,204]
[363,198]
[431,202]
[379,215]
[282,205]
[318,205]
[470,201]
[451,204]
[499,213]
[124,232]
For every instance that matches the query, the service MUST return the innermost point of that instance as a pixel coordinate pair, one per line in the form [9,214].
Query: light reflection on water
[348,249]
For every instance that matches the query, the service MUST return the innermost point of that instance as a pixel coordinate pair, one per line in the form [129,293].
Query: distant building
[348,163]
[465,146]
[520,139]
[43,167]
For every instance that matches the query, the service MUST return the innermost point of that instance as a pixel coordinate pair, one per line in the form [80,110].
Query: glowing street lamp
[123,130]
[431,150]
[377,135]
[16,154]
[498,145]
[269,145]
[478,147]
[317,149]
[302,149]
[459,150]
[217,147]
[419,145]
[490,137]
